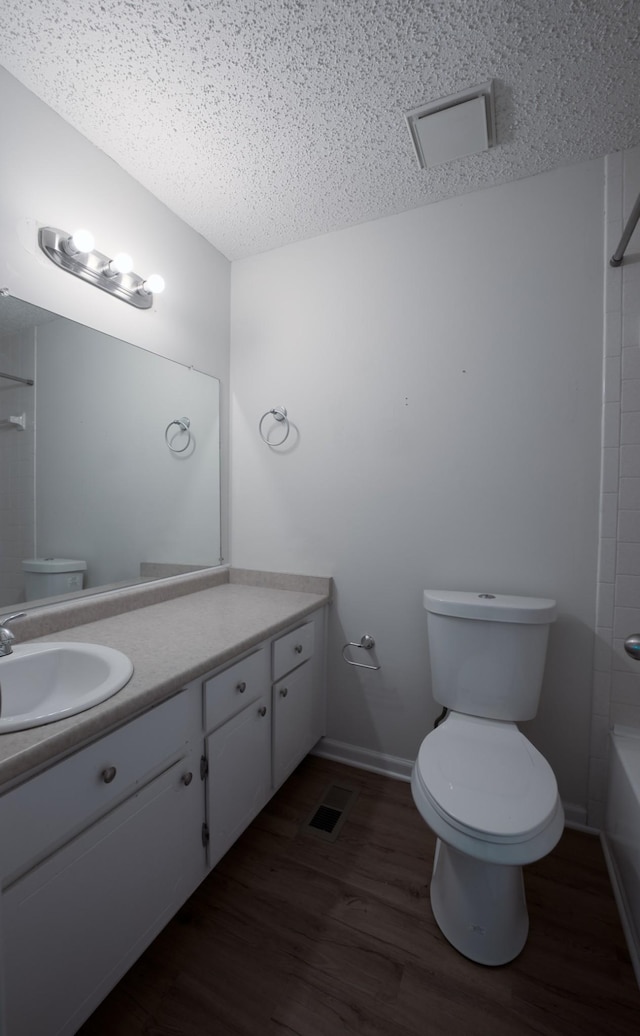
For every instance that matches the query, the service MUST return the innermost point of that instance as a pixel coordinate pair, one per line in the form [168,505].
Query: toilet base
[479,907]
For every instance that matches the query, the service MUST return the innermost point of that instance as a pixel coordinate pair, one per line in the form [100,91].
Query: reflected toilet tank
[51,577]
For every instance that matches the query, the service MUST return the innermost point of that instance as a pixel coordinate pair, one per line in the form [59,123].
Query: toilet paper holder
[367,643]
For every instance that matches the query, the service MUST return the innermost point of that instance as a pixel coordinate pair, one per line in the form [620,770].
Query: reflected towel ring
[280,414]
[184,424]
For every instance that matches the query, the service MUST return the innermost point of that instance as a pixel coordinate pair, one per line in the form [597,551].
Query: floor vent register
[328,817]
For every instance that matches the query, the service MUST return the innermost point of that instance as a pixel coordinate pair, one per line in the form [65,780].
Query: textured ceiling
[261,123]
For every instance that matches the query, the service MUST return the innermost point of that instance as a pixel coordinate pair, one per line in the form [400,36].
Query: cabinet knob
[284,692]
[108,774]
[186,779]
[262,711]
[298,649]
[241,687]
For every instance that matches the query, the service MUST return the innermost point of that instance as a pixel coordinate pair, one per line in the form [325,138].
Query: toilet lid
[483,775]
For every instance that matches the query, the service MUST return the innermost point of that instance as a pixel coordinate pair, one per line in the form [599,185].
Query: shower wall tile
[628,592]
[607,560]
[627,620]
[620,660]
[631,361]
[630,461]
[625,688]
[630,394]
[629,526]
[629,495]
[628,558]
[629,428]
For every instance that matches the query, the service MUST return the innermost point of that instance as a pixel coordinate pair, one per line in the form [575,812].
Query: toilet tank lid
[53,565]
[492,607]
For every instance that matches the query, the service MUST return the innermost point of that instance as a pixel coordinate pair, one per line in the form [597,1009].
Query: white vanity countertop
[169,643]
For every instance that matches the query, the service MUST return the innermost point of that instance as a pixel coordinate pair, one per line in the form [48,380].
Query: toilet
[487,794]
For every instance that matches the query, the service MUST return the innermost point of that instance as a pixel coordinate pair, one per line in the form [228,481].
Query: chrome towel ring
[280,414]
[184,424]
[367,643]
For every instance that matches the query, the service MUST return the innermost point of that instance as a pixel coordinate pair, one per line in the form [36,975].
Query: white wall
[51,175]
[442,369]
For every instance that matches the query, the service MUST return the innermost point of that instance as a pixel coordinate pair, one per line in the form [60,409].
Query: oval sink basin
[41,683]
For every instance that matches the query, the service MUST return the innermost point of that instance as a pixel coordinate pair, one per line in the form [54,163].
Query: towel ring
[280,414]
[367,643]
[184,424]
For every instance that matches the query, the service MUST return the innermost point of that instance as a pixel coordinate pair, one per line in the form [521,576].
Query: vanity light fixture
[75,254]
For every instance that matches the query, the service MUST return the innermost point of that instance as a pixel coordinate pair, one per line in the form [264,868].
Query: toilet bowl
[486,792]
[492,800]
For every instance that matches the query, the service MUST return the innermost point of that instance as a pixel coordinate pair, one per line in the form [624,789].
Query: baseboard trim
[576,817]
[631,935]
[364,759]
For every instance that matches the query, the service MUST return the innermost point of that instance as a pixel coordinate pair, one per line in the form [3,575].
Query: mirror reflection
[109,460]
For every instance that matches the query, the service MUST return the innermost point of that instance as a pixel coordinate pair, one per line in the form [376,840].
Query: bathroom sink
[40,683]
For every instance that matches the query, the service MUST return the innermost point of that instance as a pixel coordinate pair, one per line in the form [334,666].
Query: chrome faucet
[7,638]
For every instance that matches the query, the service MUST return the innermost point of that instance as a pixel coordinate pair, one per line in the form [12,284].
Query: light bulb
[153,285]
[121,263]
[80,241]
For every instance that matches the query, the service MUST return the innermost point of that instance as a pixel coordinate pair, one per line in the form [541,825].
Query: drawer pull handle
[186,779]
[241,687]
[108,774]
[284,692]
[262,711]
[298,649]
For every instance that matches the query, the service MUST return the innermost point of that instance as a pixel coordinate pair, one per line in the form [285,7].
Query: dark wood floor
[292,936]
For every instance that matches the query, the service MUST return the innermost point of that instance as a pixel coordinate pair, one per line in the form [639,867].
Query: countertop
[170,643]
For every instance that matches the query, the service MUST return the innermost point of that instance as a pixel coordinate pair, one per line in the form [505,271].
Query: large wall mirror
[109,457]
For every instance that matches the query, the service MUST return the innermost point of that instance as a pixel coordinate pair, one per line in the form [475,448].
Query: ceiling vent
[463,124]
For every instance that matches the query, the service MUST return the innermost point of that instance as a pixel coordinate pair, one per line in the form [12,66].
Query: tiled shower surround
[616,685]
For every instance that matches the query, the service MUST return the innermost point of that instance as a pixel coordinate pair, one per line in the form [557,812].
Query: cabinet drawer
[230,691]
[43,812]
[292,649]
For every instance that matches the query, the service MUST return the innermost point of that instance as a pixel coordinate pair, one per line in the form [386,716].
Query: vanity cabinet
[116,833]
[109,842]
[262,716]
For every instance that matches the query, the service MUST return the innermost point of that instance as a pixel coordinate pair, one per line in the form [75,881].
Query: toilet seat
[486,780]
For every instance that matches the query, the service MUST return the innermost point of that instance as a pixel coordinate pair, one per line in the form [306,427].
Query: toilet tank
[487,651]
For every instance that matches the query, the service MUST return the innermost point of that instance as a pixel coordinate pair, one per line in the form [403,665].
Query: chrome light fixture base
[92,267]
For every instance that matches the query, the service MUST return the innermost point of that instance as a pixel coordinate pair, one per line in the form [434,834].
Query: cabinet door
[294,721]
[74,924]
[239,781]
